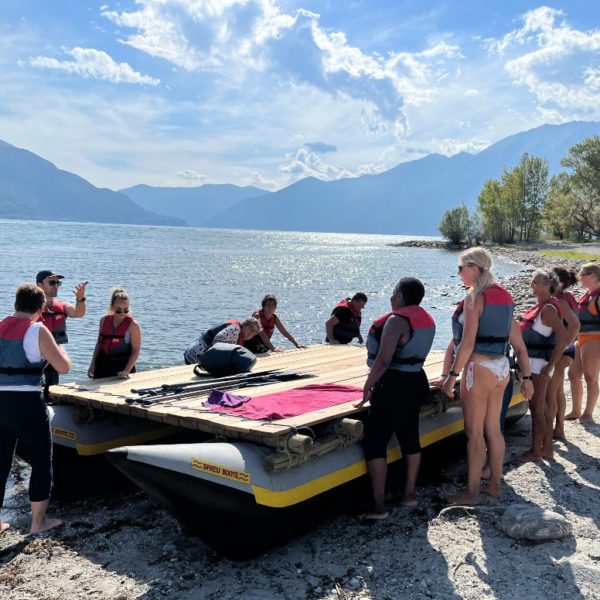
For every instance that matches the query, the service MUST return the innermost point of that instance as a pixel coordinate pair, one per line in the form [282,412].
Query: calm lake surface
[181,281]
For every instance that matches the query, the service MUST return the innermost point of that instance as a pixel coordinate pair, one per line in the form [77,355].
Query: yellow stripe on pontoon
[140,438]
[281,499]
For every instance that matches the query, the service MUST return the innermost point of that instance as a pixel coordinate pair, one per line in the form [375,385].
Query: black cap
[44,274]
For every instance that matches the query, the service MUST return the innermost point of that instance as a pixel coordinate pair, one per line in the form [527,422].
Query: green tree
[584,161]
[492,209]
[535,191]
[557,215]
[455,225]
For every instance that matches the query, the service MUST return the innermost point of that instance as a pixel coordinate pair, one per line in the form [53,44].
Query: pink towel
[291,403]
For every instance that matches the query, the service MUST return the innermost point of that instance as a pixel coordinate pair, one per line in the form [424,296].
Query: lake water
[183,280]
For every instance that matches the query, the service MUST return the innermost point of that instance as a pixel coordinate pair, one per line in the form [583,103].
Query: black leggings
[24,417]
[395,406]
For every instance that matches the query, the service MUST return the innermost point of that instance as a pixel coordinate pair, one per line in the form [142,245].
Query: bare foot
[559,434]
[3,527]
[572,416]
[409,500]
[528,456]
[485,472]
[45,525]
[373,516]
[548,454]
[586,419]
[465,498]
[491,490]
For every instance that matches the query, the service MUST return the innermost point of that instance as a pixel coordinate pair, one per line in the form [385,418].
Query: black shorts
[395,406]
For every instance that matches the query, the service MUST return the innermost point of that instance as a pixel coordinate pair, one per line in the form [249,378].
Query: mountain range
[407,199]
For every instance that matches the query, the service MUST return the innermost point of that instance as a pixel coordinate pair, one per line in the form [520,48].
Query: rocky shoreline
[118,545]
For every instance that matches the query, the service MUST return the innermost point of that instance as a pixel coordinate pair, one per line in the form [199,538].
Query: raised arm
[79,309]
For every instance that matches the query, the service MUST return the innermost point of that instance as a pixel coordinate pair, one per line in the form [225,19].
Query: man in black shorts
[397,345]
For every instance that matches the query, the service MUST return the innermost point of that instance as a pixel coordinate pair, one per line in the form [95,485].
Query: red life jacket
[589,320]
[411,355]
[569,299]
[113,340]
[55,319]
[268,325]
[356,314]
[538,346]
[15,368]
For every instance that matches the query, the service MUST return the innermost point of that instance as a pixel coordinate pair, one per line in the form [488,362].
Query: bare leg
[474,406]
[590,360]
[537,406]
[495,439]
[413,462]
[377,468]
[575,375]
[556,390]
[3,527]
[39,521]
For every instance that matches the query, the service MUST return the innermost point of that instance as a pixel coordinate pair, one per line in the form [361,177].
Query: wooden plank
[329,363]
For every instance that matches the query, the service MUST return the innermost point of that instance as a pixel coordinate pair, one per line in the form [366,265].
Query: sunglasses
[461,267]
[56,282]
[120,311]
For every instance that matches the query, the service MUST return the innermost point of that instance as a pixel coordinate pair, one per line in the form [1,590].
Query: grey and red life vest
[538,345]
[209,336]
[268,325]
[55,319]
[587,311]
[113,340]
[346,332]
[15,368]
[410,356]
[495,322]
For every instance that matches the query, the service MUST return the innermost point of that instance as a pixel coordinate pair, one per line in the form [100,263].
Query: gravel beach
[120,546]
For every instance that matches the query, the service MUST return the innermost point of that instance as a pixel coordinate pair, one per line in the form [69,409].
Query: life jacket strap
[21,370]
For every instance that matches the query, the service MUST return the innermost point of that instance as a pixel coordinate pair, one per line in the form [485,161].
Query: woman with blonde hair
[482,327]
[587,348]
[119,340]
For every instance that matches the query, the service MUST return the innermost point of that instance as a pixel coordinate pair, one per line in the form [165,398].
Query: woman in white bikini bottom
[498,366]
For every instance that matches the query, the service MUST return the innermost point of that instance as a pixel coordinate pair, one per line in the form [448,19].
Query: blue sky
[266,92]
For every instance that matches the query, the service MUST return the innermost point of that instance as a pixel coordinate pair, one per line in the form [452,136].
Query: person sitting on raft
[25,346]
[344,324]
[261,343]
[230,332]
[119,340]
[397,345]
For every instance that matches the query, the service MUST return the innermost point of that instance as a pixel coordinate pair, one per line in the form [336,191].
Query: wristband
[523,377]
[80,299]
[453,373]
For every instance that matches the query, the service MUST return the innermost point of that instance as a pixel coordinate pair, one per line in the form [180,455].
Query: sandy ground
[120,546]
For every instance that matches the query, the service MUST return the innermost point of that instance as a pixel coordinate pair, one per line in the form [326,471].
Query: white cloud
[192,176]
[450,147]
[554,61]
[257,180]
[471,92]
[94,64]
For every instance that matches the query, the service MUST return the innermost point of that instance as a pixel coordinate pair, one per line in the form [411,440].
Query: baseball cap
[47,273]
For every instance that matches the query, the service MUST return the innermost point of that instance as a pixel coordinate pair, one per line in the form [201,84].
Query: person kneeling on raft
[344,324]
[261,343]
[230,332]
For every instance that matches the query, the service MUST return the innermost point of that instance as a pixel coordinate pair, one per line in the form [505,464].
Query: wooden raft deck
[328,363]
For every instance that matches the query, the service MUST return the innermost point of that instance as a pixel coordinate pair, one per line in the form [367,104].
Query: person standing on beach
[25,346]
[55,314]
[587,348]
[119,340]
[397,344]
[344,324]
[546,338]
[481,329]
[556,386]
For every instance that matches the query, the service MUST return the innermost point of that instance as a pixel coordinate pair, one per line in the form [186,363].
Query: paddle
[173,392]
